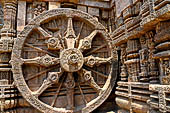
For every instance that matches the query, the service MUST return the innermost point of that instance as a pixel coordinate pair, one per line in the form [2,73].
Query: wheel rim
[74,48]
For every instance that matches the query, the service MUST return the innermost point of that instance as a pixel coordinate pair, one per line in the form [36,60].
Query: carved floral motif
[39,7]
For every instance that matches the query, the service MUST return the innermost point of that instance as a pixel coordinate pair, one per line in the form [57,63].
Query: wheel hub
[71,60]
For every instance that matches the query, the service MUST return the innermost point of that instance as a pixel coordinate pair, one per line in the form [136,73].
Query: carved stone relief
[63,57]
[165,71]
[63,60]
[151,27]
[132,61]
[8,33]
[144,60]
[153,69]
[162,49]
[163,101]
[39,7]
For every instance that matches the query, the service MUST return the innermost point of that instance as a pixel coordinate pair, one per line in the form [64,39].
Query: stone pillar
[143,60]
[153,69]
[123,74]
[132,62]
[8,33]
[21,16]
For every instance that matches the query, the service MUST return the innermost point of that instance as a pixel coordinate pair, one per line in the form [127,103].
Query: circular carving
[86,44]
[53,44]
[71,60]
[53,77]
[69,73]
[91,61]
[46,60]
[87,76]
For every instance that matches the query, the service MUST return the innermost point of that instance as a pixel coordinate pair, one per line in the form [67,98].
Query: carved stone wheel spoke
[43,61]
[62,62]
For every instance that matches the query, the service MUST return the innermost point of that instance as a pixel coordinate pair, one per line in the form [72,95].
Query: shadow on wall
[1,16]
[109,106]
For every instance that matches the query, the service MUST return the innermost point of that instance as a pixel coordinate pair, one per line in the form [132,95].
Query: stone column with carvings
[132,61]
[153,69]
[123,74]
[143,60]
[8,33]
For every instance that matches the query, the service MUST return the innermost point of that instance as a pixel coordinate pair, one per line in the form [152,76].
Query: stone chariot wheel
[62,62]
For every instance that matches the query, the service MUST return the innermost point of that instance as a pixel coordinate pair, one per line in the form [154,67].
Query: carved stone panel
[160,97]
[39,7]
